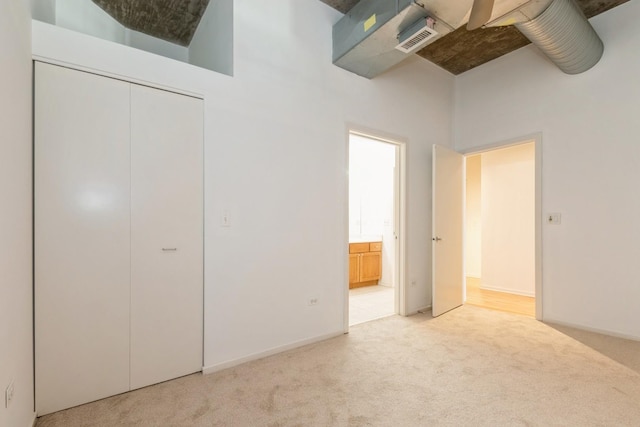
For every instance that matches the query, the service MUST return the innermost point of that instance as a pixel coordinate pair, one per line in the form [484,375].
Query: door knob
[436,239]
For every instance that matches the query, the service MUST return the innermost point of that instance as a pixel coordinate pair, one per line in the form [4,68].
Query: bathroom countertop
[365,238]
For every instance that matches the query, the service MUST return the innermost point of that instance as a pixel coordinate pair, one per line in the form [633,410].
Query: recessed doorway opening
[374,228]
[506,230]
[500,229]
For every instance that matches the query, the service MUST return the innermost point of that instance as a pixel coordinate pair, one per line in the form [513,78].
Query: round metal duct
[563,33]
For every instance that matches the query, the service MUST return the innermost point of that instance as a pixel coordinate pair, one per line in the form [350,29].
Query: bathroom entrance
[374,217]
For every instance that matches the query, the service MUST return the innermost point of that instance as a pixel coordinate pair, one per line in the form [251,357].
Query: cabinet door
[354,268]
[81,237]
[166,235]
[370,266]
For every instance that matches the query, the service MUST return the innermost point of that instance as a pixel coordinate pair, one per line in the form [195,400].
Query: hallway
[502,301]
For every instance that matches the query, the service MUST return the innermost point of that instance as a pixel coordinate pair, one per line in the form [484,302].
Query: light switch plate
[554,218]
[225,219]
[8,395]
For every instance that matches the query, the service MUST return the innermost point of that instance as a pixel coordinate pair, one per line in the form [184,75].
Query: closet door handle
[169,249]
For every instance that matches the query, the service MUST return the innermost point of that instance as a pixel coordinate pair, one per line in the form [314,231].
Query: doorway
[500,229]
[448,227]
[374,217]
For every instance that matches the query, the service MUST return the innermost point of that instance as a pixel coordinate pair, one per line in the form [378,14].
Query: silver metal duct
[365,39]
[563,33]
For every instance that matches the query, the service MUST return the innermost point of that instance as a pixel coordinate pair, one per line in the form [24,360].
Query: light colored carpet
[370,303]
[469,367]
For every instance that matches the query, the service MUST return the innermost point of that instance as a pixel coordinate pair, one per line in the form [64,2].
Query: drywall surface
[44,10]
[155,45]
[508,220]
[88,18]
[473,217]
[276,145]
[371,165]
[212,44]
[590,174]
[16,327]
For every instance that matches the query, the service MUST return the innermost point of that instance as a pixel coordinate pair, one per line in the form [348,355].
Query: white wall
[16,360]
[473,217]
[508,220]
[155,45]
[371,165]
[44,10]
[212,44]
[590,167]
[276,159]
[88,18]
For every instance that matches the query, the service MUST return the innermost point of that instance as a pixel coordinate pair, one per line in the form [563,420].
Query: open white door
[448,217]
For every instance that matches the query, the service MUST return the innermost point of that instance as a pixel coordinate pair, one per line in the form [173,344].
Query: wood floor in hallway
[501,301]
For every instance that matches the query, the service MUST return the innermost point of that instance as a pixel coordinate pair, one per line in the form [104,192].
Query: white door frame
[400,217]
[536,138]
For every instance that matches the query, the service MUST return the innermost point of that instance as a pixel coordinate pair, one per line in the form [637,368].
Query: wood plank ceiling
[462,50]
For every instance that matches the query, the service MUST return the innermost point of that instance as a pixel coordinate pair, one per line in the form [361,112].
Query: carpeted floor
[469,367]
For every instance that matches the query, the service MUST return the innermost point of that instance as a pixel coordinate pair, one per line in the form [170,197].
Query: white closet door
[82,255]
[166,235]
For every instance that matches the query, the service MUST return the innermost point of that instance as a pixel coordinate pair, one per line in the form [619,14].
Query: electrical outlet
[313,301]
[8,395]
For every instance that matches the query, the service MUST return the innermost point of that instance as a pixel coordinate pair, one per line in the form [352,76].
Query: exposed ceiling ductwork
[364,38]
[559,29]
[456,51]
[563,33]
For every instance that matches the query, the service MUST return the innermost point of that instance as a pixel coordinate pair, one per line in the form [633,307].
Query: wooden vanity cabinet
[365,264]
[354,269]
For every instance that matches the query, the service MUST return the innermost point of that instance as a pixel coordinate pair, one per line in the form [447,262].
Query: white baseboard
[508,291]
[235,362]
[590,329]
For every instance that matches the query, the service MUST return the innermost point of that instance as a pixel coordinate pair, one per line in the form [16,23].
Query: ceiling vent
[365,38]
[417,35]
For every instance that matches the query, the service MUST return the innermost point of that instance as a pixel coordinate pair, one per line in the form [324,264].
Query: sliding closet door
[166,235]
[81,234]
